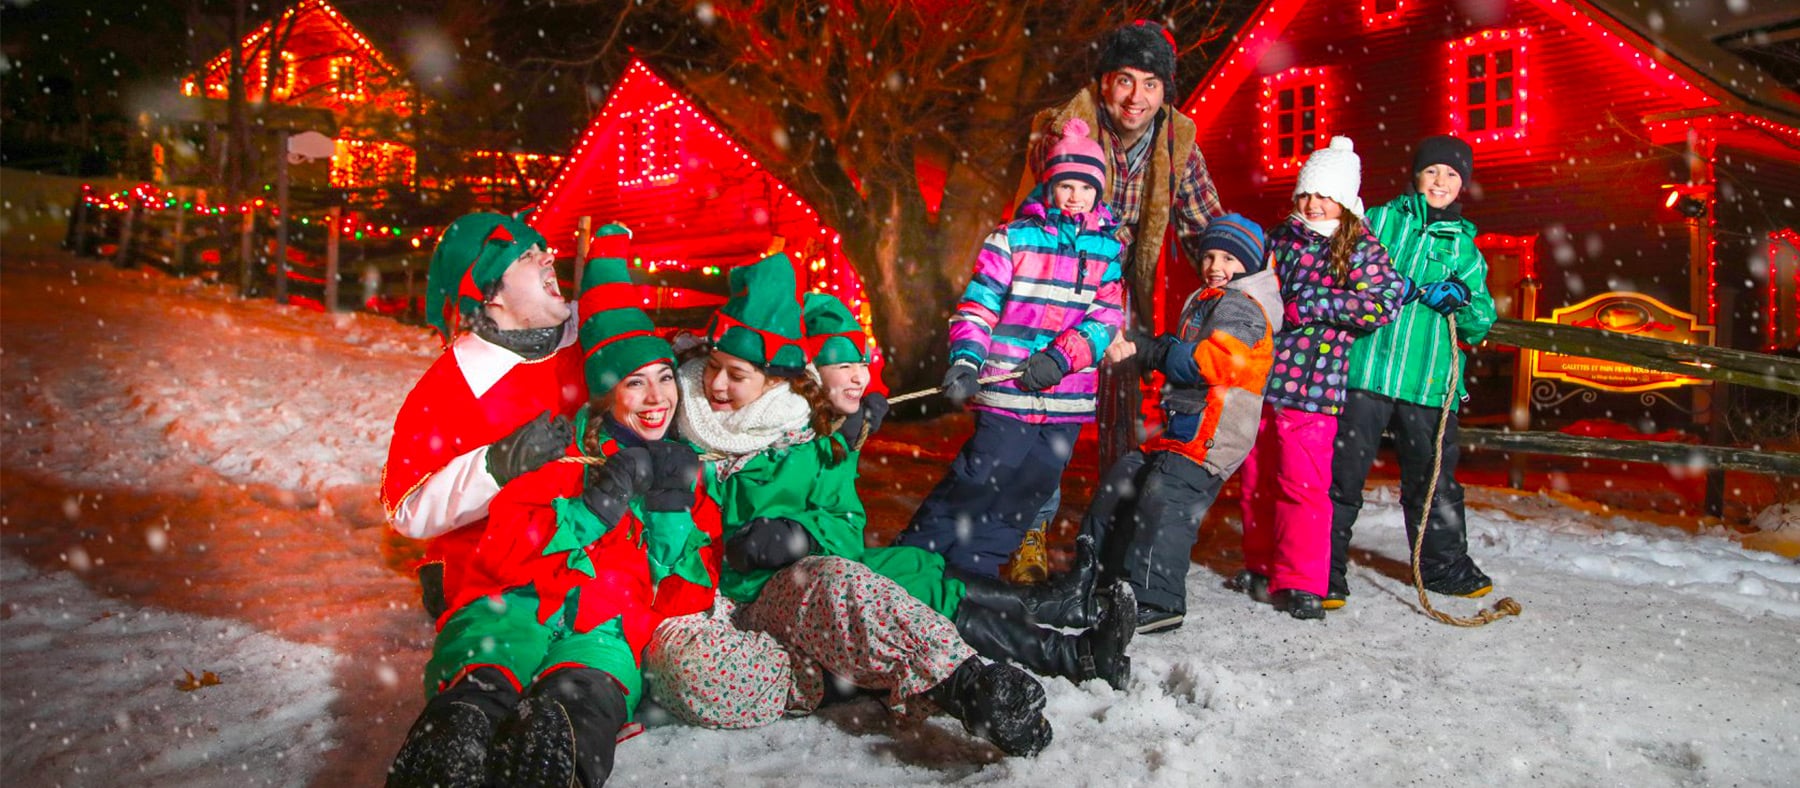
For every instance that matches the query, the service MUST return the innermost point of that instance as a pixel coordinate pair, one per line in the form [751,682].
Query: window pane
[1503,61]
[1477,119]
[1477,93]
[1284,99]
[1386,6]
[1307,121]
[1503,89]
[1477,66]
[1309,96]
[1285,147]
[1309,143]
[1503,116]
[1285,123]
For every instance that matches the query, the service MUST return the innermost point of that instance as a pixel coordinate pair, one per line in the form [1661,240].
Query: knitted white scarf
[778,417]
[1324,227]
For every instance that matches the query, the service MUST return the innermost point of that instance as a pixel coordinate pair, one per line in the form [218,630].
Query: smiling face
[732,383]
[844,385]
[1072,196]
[1218,266]
[1318,208]
[644,402]
[529,295]
[1440,183]
[1131,98]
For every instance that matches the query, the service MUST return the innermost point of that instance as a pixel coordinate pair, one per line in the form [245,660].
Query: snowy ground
[189,486]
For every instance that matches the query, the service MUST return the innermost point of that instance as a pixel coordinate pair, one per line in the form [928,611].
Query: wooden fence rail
[1737,367]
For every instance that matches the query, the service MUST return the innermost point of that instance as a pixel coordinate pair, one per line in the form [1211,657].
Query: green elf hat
[471,256]
[832,334]
[617,338]
[761,323]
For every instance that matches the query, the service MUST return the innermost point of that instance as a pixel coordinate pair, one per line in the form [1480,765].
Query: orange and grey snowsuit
[1145,512]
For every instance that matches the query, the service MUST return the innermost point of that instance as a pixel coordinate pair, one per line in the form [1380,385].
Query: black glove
[1447,296]
[673,468]
[1152,349]
[873,411]
[768,543]
[960,383]
[1041,371]
[610,487]
[530,446]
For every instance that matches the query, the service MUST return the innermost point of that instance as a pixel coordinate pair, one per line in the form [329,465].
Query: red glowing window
[1511,260]
[1488,96]
[1293,111]
[650,145]
[1382,13]
[347,78]
[362,164]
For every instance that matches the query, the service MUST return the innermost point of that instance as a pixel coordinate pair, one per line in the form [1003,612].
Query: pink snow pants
[766,661]
[1287,507]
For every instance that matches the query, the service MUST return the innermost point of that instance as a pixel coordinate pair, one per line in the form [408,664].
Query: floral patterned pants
[744,666]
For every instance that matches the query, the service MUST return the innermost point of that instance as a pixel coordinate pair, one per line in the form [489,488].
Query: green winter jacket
[798,483]
[1410,358]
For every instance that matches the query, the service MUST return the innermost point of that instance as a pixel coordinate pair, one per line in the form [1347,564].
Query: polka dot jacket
[1324,315]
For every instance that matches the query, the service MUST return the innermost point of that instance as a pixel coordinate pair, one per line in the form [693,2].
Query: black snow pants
[1145,517]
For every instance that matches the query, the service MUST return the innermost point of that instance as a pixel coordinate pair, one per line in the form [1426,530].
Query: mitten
[960,383]
[1447,296]
[1153,349]
[1409,290]
[1041,370]
[609,488]
[873,411]
[530,446]
[768,543]
[673,468]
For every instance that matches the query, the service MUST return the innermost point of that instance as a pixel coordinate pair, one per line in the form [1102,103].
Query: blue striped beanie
[1236,235]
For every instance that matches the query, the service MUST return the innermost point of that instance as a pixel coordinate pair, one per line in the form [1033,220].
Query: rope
[940,389]
[1501,609]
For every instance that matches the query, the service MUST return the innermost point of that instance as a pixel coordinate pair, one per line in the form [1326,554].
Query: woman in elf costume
[535,671]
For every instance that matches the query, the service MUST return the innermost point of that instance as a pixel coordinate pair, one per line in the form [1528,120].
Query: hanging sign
[1621,313]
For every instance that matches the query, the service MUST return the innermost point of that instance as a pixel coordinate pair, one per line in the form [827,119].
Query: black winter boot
[1299,604]
[1067,601]
[1097,653]
[564,734]
[448,745]
[997,702]
[1251,584]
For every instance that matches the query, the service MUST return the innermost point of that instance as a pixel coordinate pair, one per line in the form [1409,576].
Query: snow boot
[1297,603]
[448,745]
[1462,579]
[1335,599]
[1097,653]
[564,734]
[1151,620]
[997,702]
[1067,602]
[1030,564]
[1249,583]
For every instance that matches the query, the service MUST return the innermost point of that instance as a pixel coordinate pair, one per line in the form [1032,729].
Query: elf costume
[577,566]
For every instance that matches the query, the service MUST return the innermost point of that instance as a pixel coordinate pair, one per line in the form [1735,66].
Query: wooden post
[281,220]
[122,258]
[331,259]
[247,273]
[78,221]
[178,241]
[1717,419]
[584,234]
[1520,419]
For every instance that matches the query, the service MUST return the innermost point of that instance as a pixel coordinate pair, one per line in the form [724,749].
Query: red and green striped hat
[832,334]
[761,323]
[471,256]
[617,338]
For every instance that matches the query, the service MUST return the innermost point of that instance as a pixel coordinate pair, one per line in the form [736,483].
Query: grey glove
[530,446]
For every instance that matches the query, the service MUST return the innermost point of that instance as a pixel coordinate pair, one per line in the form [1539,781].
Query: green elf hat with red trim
[832,334]
[617,338]
[471,256]
[761,323]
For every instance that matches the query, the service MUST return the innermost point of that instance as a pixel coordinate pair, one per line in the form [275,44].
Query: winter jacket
[435,484]
[645,568]
[798,483]
[1171,184]
[1312,351]
[1043,281]
[1226,348]
[1411,359]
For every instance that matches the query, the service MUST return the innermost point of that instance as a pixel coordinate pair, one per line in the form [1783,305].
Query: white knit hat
[1335,172]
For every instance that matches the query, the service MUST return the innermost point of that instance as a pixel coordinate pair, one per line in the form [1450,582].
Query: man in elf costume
[535,670]
[495,404]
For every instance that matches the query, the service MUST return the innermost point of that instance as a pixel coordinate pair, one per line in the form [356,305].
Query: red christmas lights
[1489,95]
[1293,118]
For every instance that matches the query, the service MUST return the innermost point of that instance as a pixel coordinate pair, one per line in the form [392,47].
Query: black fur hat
[1143,45]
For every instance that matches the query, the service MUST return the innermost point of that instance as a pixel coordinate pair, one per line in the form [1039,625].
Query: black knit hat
[1445,149]
[1143,45]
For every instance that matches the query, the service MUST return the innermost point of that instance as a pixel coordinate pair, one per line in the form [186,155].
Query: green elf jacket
[1410,358]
